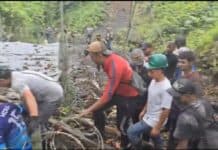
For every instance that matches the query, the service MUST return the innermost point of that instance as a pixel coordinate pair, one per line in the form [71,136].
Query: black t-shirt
[172,63]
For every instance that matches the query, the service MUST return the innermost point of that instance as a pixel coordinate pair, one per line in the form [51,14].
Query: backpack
[209,129]
[138,83]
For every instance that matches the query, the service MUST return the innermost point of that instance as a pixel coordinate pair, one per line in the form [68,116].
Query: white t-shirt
[158,98]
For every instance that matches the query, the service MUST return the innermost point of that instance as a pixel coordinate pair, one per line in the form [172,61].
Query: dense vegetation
[159,22]
[26,21]
[162,21]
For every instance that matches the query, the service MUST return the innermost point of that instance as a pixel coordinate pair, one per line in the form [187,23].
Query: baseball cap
[98,46]
[182,86]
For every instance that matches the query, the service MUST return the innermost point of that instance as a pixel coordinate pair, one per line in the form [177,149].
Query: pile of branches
[77,133]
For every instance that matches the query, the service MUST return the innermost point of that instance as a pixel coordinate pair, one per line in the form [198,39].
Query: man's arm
[164,115]
[142,113]
[182,144]
[30,102]
[110,88]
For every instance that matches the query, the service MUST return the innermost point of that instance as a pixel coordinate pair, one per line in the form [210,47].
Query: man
[171,59]
[147,49]
[109,38]
[13,130]
[48,34]
[137,63]
[155,112]
[196,127]
[89,32]
[185,62]
[118,90]
[180,45]
[41,95]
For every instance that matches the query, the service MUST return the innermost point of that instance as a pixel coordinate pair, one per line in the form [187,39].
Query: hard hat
[156,61]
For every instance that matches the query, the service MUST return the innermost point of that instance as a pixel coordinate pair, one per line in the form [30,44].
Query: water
[27,56]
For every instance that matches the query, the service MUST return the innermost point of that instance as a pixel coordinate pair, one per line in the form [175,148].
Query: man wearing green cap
[156,111]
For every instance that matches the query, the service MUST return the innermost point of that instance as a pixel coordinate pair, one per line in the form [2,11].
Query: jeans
[135,132]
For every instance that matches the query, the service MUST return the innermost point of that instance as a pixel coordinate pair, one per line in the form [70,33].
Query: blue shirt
[13,130]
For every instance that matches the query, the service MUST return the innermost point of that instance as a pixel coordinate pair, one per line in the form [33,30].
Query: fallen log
[77,133]
[112,131]
[87,122]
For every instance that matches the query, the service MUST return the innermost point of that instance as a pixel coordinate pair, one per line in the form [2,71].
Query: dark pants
[171,125]
[108,44]
[127,112]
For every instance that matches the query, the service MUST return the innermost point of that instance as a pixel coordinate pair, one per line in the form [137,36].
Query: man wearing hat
[156,111]
[185,62]
[118,90]
[196,127]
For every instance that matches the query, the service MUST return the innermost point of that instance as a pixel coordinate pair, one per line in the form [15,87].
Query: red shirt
[118,71]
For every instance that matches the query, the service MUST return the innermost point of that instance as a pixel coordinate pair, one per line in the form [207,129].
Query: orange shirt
[118,71]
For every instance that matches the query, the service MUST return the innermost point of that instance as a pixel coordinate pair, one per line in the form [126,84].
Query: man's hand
[155,132]
[33,124]
[84,113]
[141,115]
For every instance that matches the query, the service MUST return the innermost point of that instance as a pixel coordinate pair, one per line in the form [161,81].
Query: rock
[25,67]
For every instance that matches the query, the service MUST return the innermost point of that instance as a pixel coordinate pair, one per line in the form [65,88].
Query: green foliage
[168,19]
[26,21]
[162,21]
[86,14]
[202,40]
[22,18]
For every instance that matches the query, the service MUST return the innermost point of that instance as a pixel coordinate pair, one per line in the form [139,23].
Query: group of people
[41,96]
[107,38]
[173,99]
